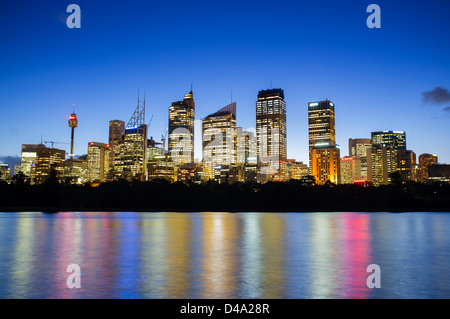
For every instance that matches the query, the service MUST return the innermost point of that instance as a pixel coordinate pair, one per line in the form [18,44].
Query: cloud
[438,95]
[447,109]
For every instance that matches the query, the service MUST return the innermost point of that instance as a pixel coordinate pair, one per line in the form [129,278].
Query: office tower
[406,165]
[325,161]
[181,130]
[219,140]
[425,160]
[321,124]
[154,149]
[4,171]
[99,158]
[48,159]
[28,157]
[246,147]
[439,173]
[76,170]
[357,149]
[130,154]
[298,170]
[73,123]
[322,142]
[348,170]
[116,130]
[383,155]
[271,135]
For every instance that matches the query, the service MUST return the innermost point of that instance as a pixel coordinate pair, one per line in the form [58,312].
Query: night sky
[393,78]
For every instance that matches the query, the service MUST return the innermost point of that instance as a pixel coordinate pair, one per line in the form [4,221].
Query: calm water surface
[224,255]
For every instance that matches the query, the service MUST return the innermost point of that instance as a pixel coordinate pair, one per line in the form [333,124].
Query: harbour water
[224,255]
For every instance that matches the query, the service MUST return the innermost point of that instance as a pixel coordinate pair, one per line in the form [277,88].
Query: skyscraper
[321,124]
[130,154]
[425,160]
[99,158]
[357,148]
[325,163]
[116,130]
[219,140]
[48,159]
[246,147]
[348,170]
[181,130]
[383,155]
[271,135]
[324,155]
[28,157]
[406,165]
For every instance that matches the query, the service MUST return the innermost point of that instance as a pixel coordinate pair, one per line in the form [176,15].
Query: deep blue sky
[311,49]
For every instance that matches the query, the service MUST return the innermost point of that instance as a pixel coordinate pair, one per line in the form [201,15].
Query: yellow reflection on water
[220,255]
[178,254]
[22,265]
[272,225]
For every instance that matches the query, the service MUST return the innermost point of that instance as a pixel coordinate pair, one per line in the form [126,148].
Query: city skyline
[380,80]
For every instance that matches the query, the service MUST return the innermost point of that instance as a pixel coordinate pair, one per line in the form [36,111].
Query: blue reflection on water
[224,255]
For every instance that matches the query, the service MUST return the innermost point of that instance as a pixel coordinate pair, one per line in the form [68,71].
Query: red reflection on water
[355,254]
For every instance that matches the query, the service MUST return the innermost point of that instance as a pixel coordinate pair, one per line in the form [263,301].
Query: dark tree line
[160,195]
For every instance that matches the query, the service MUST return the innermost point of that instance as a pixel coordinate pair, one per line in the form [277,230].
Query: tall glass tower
[181,130]
[271,135]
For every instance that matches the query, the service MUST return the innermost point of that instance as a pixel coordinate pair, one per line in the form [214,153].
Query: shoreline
[53,210]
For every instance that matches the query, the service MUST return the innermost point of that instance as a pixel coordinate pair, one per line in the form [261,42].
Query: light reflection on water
[224,255]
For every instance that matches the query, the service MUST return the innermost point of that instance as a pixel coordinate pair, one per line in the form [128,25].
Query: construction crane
[149,123]
[163,139]
[52,142]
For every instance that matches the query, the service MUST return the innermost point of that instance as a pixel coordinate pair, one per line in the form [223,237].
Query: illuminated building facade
[4,171]
[189,173]
[228,174]
[219,140]
[76,170]
[28,157]
[425,160]
[246,147]
[271,136]
[297,170]
[130,155]
[383,155]
[357,149]
[162,167]
[99,159]
[322,142]
[348,170]
[406,165]
[321,125]
[154,149]
[325,163]
[181,130]
[116,130]
[46,160]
